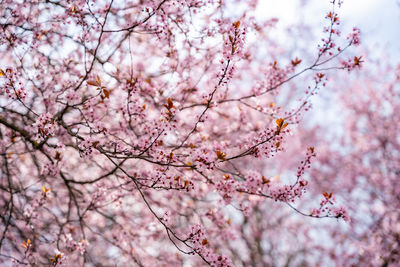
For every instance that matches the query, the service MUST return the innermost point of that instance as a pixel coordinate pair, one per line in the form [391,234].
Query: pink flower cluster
[327,209]
[352,63]
[88,146]
[233,47]
[354,36]
[50,169]
[73,245]
[201,246]
[31,209]
[44,127]
[10,85]
[226,188]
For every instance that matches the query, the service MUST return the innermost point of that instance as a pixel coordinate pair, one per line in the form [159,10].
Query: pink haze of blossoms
[139,133]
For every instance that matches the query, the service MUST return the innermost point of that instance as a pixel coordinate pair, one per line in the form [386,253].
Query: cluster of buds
[13,88]
[327,208]
[202,246]
[44,127]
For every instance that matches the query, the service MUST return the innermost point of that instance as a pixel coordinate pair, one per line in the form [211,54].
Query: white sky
[379,20]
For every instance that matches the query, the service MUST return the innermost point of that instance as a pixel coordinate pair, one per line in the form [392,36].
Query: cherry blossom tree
[363,168]
[152,132]
[357,164]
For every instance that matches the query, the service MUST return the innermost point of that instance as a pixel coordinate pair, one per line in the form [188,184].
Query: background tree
[363,168]
[145,132]
[357,161]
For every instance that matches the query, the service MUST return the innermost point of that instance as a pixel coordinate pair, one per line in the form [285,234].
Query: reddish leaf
[94,83]
[106,93]
[296,62]
[221,155]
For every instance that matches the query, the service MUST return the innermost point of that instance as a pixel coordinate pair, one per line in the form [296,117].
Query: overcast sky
[379,20]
